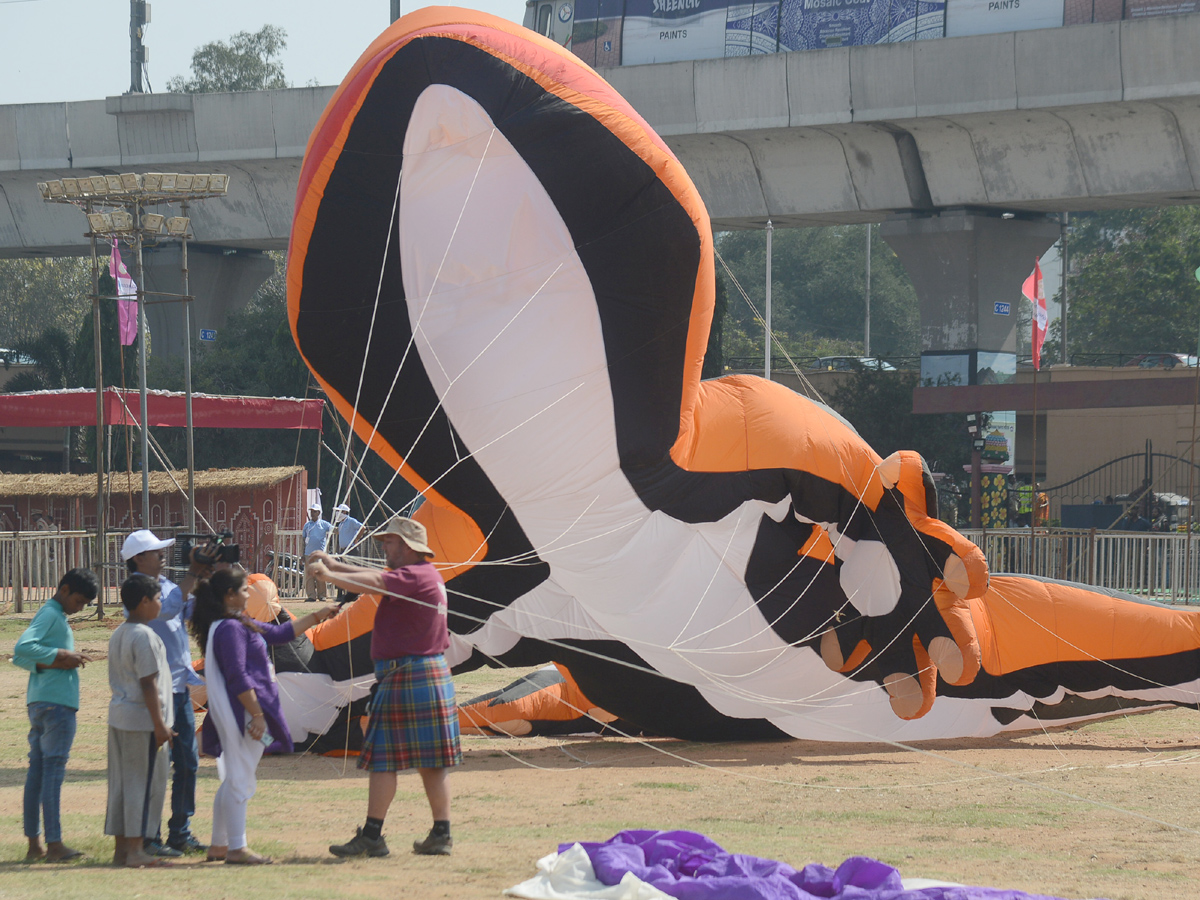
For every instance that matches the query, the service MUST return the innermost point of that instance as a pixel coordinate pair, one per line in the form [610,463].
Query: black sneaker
[361,845]
[155,847]
[434,845]
[188,845]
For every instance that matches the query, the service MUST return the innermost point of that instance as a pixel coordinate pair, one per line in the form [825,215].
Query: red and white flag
[126,309]
[1036,292]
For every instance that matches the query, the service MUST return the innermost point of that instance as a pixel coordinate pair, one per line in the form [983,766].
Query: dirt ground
[1105,810]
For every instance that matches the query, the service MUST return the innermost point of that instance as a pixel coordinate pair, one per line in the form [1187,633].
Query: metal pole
[101,544]
[1062,313]
[976,487]
[1187,571]
[867,322]
[187,386]
[142,417]
[135,46]
[767,312]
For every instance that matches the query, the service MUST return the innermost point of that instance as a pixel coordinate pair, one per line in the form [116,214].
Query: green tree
[36,294]
[248,62]
[1135,291]
[879,406]
[53,355]
[818,293]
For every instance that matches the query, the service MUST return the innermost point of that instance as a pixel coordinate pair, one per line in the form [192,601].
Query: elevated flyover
[938,139]
[1077,118]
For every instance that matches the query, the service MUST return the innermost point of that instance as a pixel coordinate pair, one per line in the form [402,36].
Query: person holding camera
[244,712]
[143,553]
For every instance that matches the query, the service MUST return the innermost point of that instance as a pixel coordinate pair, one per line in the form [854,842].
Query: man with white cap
[143,553]
[414,720]
[349,530]
[316,530]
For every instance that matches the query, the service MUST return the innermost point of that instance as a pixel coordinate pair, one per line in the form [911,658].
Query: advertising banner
[964,17]
[671,30]
[815,24]
[752,28]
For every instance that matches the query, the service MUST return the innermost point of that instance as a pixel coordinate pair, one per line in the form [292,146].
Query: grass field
[1106,810]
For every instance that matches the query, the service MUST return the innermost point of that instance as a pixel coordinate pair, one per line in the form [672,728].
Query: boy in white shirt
[140,717]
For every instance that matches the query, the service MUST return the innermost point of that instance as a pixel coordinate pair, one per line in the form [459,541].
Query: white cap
[140,542]
[316,506]
[342,507]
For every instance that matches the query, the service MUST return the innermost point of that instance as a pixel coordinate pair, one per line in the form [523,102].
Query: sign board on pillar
[1003,309]
[208,334]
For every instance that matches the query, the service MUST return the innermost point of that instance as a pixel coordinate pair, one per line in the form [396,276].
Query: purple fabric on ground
[690,866]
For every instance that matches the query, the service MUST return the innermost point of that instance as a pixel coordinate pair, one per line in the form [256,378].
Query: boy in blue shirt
[47,650]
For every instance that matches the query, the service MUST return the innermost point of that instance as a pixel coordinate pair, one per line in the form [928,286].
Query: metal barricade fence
[1147,564]
[288,571]
[288,564]
[32,563]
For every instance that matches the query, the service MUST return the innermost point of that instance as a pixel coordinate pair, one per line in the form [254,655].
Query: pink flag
[1033,289]
[127,309]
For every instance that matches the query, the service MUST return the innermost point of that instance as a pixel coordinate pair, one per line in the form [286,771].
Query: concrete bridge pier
[967,267]
[221,279]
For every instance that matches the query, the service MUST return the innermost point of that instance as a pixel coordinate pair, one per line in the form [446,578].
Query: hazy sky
[56,50]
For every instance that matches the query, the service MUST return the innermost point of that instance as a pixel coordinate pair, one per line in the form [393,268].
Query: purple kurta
[242,656]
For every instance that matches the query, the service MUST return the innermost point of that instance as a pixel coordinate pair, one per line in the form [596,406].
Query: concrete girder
[720,165]
[965,75]
[1041,78]
[1159,58]
[949,162]
[663,94]
[758,92]
[819,88]
[1129,148]
[1027,154]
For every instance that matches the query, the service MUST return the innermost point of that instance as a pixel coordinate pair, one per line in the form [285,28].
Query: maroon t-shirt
[411,619]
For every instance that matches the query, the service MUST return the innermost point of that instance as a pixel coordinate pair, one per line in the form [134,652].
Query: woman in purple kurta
[244,715]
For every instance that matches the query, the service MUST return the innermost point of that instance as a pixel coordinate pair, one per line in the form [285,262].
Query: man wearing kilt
[414,720]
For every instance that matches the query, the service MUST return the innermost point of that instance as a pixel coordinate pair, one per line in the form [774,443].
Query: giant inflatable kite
[503,279]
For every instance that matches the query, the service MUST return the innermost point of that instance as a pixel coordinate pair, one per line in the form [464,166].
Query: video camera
[206,549]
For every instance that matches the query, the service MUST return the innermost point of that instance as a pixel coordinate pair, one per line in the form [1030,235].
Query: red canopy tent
[42,409]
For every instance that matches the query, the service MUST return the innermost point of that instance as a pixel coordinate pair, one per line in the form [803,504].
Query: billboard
[966,17]
[670,30]
[631,32]
[752,28]
[816,24]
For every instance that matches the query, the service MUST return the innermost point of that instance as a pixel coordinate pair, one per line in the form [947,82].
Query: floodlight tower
[116,209]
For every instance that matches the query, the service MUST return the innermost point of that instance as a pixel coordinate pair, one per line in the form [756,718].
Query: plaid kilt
[414,720]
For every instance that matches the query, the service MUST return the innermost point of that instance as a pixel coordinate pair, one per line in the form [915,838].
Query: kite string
[774,338]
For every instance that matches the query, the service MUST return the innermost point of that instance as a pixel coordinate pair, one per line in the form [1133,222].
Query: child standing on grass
[140,717]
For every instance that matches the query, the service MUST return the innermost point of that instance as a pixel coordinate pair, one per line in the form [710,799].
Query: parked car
[1162,361]
[852,364]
